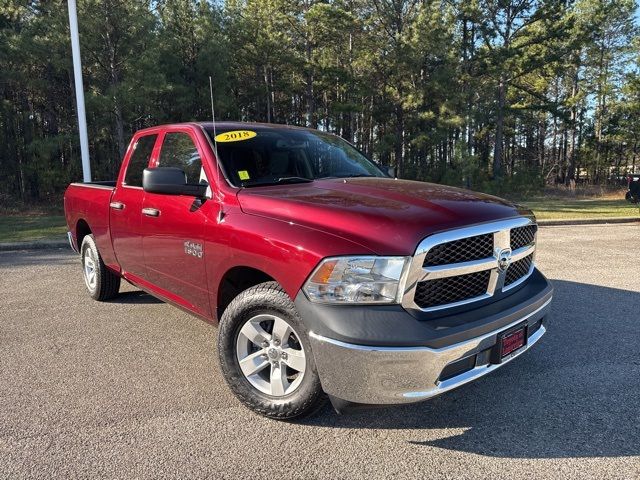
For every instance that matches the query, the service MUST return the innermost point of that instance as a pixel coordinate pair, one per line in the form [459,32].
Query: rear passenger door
[174,226]
[125,206]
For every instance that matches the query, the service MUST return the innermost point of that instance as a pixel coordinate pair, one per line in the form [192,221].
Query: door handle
[151,212]
[117,205]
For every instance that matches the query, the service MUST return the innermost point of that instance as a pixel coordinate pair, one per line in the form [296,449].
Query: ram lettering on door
[192,248]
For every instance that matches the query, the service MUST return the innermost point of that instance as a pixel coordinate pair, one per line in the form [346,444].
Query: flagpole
[77,75]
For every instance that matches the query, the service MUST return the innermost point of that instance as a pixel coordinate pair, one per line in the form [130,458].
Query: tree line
[487,94]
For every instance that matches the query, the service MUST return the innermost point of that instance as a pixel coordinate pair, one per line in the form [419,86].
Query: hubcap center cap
[273,353]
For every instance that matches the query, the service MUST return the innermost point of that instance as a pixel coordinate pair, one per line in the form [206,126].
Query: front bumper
[381,374]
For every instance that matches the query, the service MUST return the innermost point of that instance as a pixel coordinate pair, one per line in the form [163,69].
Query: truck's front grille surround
[456,267]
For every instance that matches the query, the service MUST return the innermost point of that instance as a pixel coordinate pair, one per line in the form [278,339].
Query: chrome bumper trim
[72,243]
[391,375]
[476,372]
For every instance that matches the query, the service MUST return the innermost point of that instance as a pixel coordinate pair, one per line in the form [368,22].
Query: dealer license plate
[511,341]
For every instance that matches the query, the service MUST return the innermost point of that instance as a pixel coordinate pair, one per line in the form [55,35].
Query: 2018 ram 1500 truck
[326,275]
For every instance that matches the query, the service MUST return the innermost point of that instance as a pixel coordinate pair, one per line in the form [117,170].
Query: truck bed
[87,204]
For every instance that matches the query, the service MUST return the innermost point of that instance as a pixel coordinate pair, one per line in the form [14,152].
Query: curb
[35,245]
[588,221]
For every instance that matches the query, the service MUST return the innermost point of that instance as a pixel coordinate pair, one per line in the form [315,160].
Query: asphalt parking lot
[132,388]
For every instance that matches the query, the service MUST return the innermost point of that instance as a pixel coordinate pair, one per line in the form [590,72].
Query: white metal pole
[77,74]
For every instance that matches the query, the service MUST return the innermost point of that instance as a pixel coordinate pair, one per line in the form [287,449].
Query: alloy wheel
[271,355]
[90,270]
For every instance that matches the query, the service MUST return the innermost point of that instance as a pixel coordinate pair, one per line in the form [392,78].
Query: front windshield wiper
[294,179]
[278,181]
[350,175]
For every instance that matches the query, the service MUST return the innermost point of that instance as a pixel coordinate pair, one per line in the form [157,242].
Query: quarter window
[139,160]
[178,150]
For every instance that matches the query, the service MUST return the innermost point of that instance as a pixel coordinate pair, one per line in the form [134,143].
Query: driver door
[174,225]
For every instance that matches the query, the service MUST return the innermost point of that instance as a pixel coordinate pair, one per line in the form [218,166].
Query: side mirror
[389,170]
[170,181]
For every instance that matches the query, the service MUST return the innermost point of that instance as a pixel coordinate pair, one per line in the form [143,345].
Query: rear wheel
[102,284]
[265,354]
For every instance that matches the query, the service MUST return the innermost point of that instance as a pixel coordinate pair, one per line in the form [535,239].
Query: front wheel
[265,354]
[102,284]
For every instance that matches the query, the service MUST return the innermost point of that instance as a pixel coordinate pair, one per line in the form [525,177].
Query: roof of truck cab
[228,125]
[251,125]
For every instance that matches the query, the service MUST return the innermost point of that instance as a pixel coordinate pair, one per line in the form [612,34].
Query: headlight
[356,280]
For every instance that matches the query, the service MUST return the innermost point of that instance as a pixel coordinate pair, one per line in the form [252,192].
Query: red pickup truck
[328,277]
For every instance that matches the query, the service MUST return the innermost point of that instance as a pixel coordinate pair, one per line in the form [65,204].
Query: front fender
[285,251]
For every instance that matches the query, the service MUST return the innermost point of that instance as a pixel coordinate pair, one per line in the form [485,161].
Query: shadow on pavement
[137,297]
[576,394]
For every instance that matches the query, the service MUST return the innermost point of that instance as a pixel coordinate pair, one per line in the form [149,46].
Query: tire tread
[108,282]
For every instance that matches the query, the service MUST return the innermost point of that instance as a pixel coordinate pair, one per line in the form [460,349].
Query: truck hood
[385,216]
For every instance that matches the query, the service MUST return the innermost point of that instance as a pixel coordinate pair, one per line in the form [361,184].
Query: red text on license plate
[512,342]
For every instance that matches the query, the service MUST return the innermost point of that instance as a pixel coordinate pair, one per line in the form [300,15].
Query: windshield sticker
[243,175]
[235,136]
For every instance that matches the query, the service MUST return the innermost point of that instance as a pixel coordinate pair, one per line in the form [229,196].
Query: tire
[281,392]
[102,284]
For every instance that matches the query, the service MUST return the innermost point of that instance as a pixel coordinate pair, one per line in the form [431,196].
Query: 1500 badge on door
[192,248]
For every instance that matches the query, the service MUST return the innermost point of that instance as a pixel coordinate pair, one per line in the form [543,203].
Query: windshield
[272,156]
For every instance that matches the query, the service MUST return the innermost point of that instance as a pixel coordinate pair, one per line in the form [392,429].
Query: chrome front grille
[523,236]
[465,265]
[518,270]
[443,291]
[463,250]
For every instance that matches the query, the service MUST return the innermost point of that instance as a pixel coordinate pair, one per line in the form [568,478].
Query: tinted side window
[179,151]
[139,160]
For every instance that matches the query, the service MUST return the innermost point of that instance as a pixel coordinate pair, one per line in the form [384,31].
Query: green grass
[25,228]
[581,209]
